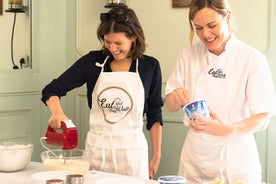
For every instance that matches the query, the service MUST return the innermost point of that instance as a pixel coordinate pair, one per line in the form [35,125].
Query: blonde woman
[235,80]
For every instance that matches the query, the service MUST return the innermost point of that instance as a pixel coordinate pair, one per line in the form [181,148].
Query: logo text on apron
[115,103]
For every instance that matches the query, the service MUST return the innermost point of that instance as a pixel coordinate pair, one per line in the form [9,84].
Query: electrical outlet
[24,62]
[27,61]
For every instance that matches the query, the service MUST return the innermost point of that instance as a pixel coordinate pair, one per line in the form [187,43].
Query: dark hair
[220,6]
[122,20]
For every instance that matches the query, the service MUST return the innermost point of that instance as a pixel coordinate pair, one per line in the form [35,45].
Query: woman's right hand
[55,108]
[177,99]
[55,120]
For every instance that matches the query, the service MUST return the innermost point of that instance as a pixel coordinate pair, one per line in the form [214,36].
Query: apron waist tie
[109,138]
[224,160]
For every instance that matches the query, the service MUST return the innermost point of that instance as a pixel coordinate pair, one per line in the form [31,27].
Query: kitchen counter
[24,176]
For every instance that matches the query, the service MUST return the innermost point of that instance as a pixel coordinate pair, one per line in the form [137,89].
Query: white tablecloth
[24,176]
[21,177]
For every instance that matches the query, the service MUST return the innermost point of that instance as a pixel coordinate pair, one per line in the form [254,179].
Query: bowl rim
[43,153]
[171,179]
[9,145]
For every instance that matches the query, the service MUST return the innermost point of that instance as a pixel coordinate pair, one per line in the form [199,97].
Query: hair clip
[116,17]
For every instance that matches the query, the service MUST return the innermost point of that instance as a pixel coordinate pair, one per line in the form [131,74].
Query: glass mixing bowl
[75,161]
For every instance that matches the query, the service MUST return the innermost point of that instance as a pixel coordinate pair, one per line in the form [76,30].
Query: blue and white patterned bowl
[171,179]
[198,107]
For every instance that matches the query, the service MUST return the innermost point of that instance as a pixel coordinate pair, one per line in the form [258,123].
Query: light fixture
[15,6]
[115,3]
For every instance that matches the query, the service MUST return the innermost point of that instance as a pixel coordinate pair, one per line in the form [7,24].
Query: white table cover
[24,176]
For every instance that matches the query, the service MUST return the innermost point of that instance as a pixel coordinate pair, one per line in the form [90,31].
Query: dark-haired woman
[123,84]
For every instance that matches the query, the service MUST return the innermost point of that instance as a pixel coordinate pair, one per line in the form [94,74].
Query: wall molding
[17,123]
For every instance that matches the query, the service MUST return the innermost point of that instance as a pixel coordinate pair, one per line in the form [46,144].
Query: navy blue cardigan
[84,70]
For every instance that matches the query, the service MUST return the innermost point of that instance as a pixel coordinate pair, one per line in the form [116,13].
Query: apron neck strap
[102,65]
[105,60]
[137,65]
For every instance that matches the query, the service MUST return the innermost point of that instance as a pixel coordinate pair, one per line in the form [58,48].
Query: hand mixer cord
[42,144]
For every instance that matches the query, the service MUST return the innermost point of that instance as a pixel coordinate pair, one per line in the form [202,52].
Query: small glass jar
[74,179]
[54,181]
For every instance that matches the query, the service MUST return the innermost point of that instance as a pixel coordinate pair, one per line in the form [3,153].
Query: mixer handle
[68,138]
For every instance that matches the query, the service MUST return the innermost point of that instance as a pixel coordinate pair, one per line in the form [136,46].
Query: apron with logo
[116,140]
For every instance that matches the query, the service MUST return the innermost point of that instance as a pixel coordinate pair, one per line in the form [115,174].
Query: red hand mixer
[67,139]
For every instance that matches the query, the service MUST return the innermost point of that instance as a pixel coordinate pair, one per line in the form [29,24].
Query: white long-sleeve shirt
[235,84]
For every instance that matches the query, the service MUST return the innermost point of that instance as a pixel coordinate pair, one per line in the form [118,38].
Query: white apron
[232,158]
[116,140]
[219,157]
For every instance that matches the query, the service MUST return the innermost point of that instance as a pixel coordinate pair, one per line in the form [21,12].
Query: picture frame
[1,7]
[181,3]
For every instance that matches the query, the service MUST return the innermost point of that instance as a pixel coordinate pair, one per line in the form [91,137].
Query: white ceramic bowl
[15,156]
[75,161]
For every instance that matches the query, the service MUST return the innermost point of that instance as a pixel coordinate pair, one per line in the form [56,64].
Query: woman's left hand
[212,126]
[153,166]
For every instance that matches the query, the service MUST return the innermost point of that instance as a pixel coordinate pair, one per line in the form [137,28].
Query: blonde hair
[220,6]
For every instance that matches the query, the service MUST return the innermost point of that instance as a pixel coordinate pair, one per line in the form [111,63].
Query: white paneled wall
[167,29]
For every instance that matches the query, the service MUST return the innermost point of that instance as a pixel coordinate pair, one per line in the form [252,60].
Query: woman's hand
[55,108]
[153,166]
[215,126]
[212,126]
[55,120]
[177,99]
[156,139]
